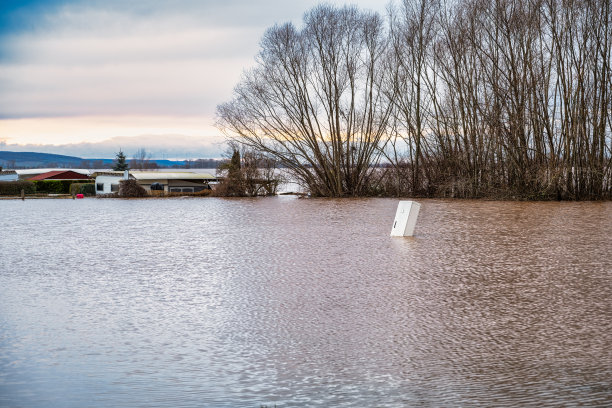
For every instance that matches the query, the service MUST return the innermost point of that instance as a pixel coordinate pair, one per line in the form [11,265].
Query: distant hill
[21,160]
[33,159]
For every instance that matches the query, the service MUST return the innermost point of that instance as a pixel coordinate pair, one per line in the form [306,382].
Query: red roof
[60,175]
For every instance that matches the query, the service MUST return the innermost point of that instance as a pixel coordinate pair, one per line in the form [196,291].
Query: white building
[174,182]
[107,182]
[171,182]
[9,175]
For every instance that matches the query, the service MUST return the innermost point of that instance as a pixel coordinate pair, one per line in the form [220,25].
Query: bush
[51,186]
[202,193]
[131,189]
[87,189]
[15,187]
[56,186]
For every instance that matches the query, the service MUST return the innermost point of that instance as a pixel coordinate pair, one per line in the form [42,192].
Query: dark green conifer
[120,162]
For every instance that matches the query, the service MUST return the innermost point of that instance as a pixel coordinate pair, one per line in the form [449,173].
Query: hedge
[56,186]
[13,188]
[87,189]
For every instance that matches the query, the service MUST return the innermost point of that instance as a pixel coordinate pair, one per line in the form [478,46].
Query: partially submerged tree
[314,101]
[410,88]
[232,183]
[466,98]
[247,174]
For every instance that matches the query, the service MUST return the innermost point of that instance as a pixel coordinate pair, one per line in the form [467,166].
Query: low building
[24,174]
[107,182]
[9,175]
[170,182]
[60,175]
[174,182]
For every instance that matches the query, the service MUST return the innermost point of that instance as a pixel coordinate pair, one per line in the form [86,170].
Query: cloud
[167,65]
[168,146]
[164,87]
[167,61]
[142,57]
[102,136]
[137,57]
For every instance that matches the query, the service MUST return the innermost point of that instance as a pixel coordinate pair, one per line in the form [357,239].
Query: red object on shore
[80,196]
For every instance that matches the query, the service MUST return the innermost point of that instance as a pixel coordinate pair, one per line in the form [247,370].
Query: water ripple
[248,302]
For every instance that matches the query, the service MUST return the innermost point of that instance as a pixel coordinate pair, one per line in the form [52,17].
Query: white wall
[107,180]
[9,177]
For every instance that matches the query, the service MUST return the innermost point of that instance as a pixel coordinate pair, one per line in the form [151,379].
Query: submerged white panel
[405,219]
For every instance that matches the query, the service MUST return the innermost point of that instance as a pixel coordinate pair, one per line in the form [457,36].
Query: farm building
[169,182]
[60,175]
[107,182]
[26,174]
[174,182]
[8,175]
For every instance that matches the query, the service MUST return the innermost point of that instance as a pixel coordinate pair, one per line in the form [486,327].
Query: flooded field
[302,302]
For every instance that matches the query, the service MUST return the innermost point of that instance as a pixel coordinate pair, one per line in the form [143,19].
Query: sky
[90,77]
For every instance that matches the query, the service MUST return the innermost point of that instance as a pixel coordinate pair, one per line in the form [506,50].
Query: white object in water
[405,219]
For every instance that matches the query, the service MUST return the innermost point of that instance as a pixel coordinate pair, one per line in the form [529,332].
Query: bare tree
[462,98]
[142,160]
[314,102]
[517,96]
[411,87]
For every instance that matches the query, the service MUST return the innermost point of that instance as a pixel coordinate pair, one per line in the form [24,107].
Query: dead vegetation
[474,98]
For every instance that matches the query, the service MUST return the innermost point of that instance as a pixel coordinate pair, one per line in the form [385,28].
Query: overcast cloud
[169,146]
[111,58]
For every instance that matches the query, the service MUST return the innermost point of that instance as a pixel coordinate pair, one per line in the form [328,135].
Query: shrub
[131,189]
[87,189]
[15,187]
[56,186]
[50,186]
[202,193]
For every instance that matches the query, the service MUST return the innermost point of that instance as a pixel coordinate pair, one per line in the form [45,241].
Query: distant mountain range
[21,160]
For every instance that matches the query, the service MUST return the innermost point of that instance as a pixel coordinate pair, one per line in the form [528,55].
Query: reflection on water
[297,302]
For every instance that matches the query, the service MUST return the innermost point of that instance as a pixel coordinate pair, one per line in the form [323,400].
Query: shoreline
[302,196]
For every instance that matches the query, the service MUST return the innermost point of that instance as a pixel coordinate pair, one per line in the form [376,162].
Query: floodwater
[303,303]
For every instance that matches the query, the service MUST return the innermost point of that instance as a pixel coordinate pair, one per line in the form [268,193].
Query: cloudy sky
[87,77]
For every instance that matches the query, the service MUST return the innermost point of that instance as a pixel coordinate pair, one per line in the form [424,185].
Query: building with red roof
[60,175]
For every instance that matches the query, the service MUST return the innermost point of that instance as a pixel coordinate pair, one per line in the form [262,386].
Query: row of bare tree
[464,98]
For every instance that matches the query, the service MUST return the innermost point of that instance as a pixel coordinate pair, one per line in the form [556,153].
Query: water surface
[300,302]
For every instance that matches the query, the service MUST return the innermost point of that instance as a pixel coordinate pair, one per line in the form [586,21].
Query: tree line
[466,98]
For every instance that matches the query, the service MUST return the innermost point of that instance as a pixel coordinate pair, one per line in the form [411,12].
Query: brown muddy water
[300,303]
